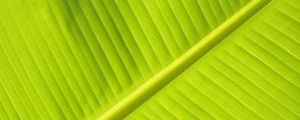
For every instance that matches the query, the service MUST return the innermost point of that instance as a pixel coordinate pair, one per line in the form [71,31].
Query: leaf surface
[104,59]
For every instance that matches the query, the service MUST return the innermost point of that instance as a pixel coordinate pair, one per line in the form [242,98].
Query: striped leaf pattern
[253,74]
[75,59]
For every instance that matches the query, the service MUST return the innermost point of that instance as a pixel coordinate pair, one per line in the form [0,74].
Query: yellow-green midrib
[75,59]
[252,74]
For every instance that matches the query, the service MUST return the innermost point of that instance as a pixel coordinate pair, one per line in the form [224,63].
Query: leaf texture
[75,59]
[79,59]
[253,74]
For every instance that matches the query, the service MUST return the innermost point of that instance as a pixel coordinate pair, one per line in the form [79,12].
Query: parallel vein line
[145,91]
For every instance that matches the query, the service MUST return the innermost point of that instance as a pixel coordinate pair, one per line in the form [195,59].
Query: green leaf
[253,74]
[105,59]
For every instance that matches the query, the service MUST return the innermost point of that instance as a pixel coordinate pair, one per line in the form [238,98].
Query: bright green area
[176,68]
[75,59]
[253,74]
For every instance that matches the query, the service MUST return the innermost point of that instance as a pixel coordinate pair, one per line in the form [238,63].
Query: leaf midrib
[183,63]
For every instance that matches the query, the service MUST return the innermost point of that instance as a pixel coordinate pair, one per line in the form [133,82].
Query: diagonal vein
[175,69]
